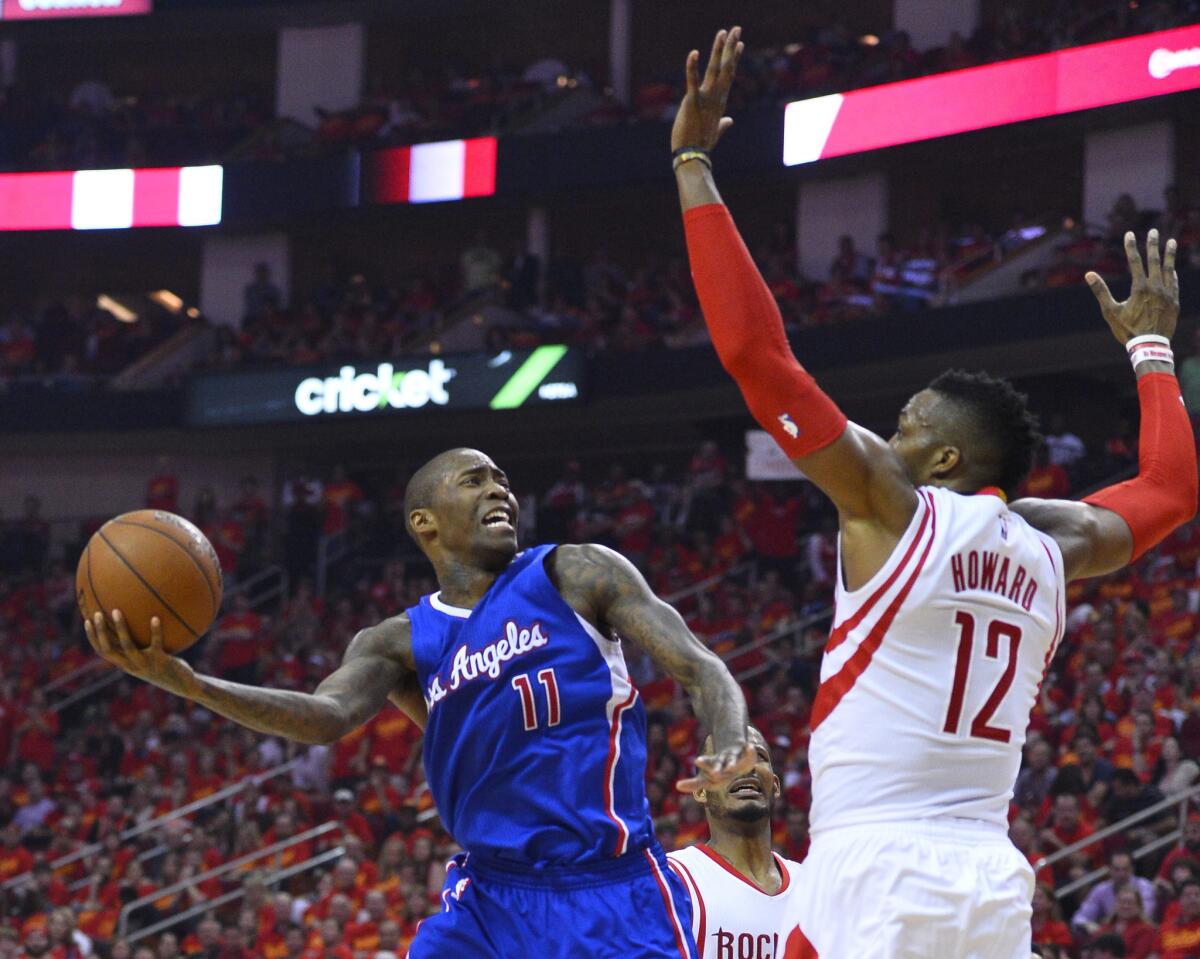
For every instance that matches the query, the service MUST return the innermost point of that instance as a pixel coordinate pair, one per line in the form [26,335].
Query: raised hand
[1153,304]
[701,118]
[151,663]
[721,767]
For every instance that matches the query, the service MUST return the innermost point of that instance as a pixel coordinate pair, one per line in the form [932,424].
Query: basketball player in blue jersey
[534,734]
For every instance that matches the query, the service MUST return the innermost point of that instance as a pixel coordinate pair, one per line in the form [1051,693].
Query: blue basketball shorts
[633,907]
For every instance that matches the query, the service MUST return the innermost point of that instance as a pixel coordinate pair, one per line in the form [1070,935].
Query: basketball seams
[212,593]
[141,579]
[87,551]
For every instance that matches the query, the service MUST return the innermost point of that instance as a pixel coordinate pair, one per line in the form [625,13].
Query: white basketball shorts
[929,889]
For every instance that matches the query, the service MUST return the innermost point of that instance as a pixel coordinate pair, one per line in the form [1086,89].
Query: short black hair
[1001,417]
[418,494]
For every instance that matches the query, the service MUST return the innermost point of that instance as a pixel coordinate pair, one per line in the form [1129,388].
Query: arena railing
[706,584]
[330,549]
[772,637]
[217,872]
[151,824]
[1157,811]
[84,692]
[77,673]
[267,584]
[209,904]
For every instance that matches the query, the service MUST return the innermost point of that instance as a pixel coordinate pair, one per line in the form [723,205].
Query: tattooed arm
[608,591]
[377,663]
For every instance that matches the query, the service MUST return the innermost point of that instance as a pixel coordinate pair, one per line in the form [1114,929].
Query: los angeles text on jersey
[746,945]
[986,570]
[467,666]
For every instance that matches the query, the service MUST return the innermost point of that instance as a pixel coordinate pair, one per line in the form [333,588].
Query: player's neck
[462,585]
[749,852]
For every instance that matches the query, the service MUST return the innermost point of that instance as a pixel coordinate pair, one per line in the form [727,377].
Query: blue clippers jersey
[535,748]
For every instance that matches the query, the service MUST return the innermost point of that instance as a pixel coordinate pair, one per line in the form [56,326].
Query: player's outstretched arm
[605,587]
[347,698]
[851,465]
[1118,524]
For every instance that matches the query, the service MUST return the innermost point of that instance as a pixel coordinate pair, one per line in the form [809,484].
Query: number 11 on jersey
[525,688]
[997,630]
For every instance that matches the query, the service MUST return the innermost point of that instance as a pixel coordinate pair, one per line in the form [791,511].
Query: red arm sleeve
[1163,494]
[747,332]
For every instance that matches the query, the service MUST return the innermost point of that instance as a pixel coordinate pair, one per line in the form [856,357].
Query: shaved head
[424,483]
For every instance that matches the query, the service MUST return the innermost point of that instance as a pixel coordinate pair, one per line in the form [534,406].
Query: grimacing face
[747,798]
[475,512]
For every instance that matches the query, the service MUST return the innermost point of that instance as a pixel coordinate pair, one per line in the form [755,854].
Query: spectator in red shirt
[15,859]
[239,641]
[1046,480]
[774,531]
[1048,927]
[354,822]
[1131,924]
[340,499]
[1180,938]
[162,489]
[35,735]
[1067,828]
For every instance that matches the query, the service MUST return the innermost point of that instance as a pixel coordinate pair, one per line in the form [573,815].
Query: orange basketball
[150,563]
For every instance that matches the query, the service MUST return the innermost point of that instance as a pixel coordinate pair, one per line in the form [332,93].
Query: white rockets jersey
[732,917]
[933,666]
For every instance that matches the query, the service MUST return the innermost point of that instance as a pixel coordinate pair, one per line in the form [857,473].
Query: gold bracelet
[683,156]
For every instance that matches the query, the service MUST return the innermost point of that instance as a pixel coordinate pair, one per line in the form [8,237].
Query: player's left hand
[720,767]
[701,118]
[1153,304]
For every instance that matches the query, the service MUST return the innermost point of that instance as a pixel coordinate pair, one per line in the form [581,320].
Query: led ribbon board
[55,9]
[111,199]
[509,380]
[431,172]
[1082,78]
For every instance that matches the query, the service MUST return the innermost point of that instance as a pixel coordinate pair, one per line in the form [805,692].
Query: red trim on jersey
[836,687]
[798,946]
[614,753]
[680,936]
[785,878]
[838,636]
[694,888]
[1057,615]
[993,491]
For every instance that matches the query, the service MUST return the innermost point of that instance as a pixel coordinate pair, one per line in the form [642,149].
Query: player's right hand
[1153,304]
[701,118]
[151,663]
[721,767]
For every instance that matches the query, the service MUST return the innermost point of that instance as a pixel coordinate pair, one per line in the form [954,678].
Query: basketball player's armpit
[747,332]
[343,701]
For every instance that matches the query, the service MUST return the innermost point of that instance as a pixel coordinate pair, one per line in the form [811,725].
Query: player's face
[477,512]
[918,439]
[747,798]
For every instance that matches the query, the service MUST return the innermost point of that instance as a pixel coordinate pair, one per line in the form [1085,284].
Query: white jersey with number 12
[933,667]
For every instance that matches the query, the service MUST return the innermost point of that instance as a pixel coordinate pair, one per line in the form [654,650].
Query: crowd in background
[750,566]
[94,125]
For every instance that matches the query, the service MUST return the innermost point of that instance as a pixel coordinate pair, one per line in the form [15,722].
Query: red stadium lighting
[1098,75]
[432,172]
[111,199]
[57,9]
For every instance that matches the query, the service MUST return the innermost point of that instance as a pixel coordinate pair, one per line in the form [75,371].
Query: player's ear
[946,459]
[778,786]
[422,522]
[701,796]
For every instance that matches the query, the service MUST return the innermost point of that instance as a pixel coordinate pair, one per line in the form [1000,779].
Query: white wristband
[1145,338]
[1151,353]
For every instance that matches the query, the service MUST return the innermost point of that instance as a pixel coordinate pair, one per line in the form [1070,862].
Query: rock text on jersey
[466,666]
[983,569]
[747,945]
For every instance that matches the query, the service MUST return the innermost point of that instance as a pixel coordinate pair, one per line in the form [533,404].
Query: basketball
[151,563]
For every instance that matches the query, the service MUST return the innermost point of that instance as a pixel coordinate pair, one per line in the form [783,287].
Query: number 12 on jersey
[997,630]
[525,688]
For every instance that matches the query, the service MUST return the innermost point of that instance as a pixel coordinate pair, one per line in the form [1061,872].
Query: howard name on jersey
[933,666]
